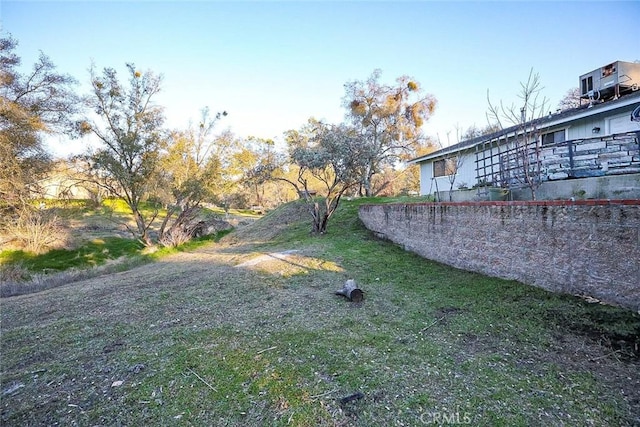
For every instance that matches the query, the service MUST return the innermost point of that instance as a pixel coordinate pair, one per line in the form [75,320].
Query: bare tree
[521,163]
[454,163]
[570,100]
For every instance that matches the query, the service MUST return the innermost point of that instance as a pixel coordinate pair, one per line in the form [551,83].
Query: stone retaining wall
[584,247]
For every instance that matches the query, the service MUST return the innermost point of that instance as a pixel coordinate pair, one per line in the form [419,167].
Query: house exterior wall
[623,123]
[466,174]
[587,247]
[467,171]
[426,173]
[576,158]
[584,128]
[617,187]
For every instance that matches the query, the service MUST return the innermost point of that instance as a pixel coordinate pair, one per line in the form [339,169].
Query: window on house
[445,167]
[553,137]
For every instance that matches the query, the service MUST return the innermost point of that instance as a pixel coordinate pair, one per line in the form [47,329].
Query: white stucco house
[597,139]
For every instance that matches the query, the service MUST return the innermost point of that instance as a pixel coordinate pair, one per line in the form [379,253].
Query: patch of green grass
[120,207]
[91,254]
[66,208]
[149,208]
[116,206]
[245,212]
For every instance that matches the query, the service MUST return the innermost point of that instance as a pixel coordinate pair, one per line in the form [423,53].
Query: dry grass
[15,280]
[36,230]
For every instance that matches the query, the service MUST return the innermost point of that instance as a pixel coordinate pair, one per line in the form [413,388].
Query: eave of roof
[546,121]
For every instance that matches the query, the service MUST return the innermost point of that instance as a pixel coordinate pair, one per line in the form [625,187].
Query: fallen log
[351,291]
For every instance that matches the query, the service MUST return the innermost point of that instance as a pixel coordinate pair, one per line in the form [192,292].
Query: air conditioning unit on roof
[610,81]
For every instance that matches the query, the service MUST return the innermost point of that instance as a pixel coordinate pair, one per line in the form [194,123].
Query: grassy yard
[248,332]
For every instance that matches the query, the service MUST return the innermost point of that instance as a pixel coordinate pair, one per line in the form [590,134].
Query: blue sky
[272,65]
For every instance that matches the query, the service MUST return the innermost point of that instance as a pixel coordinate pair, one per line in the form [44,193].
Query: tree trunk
[142,229]
[367,186]
[315,214]
[366,182]
[170,213]
[320,224]
[323,223]
[351,291]
[320,220]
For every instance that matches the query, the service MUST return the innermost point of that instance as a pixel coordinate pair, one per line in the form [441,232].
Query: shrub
[36,230]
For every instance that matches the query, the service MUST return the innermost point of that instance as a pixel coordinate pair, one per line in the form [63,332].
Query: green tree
[32,105]
[334,156]
[191,162]
[389,118]
[189,170]
[129,129]
[258,161]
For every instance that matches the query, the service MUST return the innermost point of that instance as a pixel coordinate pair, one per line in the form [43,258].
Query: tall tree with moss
[32,104]
[128,126]
[389,118]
